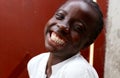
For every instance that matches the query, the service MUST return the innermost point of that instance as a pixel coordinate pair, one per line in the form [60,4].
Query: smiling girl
[74,26]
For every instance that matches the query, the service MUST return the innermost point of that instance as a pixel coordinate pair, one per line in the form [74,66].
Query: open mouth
[55,38]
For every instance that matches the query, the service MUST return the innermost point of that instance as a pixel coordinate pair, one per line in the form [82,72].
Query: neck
[57,58]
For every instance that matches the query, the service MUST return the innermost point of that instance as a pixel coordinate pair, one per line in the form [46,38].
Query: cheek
[78,40]
[50,23]
[75,37]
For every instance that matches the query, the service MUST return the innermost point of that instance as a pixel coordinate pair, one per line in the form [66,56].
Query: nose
[64,29]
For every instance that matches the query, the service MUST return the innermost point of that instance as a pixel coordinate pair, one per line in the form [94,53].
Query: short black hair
[99,21]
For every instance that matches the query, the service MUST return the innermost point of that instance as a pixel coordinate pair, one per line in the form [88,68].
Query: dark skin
[68,31]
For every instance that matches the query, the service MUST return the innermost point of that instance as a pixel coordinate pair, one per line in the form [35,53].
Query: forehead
[75,5]
[79,9]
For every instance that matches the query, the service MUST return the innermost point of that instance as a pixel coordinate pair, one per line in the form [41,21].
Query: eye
[79,27]
[59,16]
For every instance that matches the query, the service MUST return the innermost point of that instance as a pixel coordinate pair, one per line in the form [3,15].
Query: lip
[57,39]
[53,43]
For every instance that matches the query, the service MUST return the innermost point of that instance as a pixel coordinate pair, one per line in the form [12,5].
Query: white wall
[112,59]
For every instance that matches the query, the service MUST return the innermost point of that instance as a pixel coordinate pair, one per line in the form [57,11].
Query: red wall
[21,35]
[99,55]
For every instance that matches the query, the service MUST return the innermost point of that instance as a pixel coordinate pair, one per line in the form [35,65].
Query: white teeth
[56,39]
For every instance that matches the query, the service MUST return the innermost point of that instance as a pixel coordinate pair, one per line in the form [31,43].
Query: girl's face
[68,30]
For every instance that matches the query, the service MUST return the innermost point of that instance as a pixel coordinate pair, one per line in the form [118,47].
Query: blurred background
[21,36]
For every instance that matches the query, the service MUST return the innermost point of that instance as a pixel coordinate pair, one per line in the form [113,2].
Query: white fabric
[74,67]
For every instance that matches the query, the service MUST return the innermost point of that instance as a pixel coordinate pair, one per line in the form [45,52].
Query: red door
[21,35]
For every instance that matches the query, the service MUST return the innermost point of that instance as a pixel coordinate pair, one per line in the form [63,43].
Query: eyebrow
[62,10]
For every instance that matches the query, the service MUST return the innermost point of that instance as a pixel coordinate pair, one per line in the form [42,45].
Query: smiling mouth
[55,38]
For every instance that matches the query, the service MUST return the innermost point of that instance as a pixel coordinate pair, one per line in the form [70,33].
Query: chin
[49,48]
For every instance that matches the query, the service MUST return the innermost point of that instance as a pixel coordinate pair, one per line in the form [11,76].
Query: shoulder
[38,58]
[35,61]
[80,68]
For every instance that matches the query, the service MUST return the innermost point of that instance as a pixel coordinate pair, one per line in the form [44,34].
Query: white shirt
[74,67]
